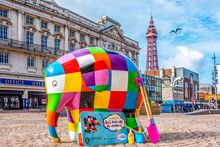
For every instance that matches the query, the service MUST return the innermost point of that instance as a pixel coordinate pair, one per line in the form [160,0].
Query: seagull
[176,32]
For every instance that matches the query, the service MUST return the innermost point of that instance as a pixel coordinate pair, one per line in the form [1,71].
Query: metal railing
[21,45]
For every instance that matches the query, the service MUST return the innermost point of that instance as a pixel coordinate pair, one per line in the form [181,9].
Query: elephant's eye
[54,83]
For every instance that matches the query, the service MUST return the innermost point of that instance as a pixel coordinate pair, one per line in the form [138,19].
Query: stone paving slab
[177,130]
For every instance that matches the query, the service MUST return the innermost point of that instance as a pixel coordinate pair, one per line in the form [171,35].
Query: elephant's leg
[52,118]
[71,126]
[75,128]
[73,116]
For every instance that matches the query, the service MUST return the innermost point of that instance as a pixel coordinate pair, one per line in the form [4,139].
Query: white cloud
[185,57]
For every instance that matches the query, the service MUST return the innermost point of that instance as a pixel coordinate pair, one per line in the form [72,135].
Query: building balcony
[34,48]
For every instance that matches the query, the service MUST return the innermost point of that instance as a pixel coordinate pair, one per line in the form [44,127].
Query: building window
[44,25]
[57,44]
[72,47]
[82,37]
[31,61]
[4,32]
[72,34]
[3,13]
[44,63]
[29,20]
[29,37]
[44,40]
[57,28]
[91,41]
[4,57]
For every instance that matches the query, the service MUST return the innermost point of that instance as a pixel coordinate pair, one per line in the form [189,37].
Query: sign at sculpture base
[102,128]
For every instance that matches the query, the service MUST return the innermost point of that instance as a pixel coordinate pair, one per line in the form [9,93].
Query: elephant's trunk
[52,118]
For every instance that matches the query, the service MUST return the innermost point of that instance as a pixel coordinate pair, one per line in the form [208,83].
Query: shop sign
[17,82]
[212,96]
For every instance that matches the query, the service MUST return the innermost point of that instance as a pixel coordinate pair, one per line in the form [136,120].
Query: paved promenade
[30,129]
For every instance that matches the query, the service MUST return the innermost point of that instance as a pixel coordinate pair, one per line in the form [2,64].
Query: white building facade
[34,33]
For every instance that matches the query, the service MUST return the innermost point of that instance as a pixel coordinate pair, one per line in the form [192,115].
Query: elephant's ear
[96,76]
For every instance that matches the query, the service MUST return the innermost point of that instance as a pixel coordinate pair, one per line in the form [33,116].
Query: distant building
[206,88]
[181,96]
[153,86]
[34,33]
[207,95]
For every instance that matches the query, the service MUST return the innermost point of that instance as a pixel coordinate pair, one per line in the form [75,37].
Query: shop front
[153,86]
[170,106]
[36,100]
[188,107]
[11,100]
[213,100]
[21,94]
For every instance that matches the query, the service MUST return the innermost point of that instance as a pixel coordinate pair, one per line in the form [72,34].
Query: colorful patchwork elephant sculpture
[91,79]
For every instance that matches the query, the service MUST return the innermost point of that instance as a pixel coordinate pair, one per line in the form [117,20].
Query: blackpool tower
[152,57]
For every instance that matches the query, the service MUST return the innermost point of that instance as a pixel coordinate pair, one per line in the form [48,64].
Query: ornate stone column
[66,38]
[20,26]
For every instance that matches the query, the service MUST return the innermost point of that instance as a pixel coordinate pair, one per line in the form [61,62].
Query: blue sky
[192,48]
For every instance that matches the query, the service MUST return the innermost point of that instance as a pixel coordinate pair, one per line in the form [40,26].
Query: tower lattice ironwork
[152,57]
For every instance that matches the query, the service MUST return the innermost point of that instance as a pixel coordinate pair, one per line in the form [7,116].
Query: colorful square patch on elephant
[87,99]
[88,68]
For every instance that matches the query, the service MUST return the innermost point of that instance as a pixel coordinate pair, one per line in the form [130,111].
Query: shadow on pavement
[187,135]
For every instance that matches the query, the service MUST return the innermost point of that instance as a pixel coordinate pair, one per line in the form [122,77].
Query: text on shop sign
[21,82]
